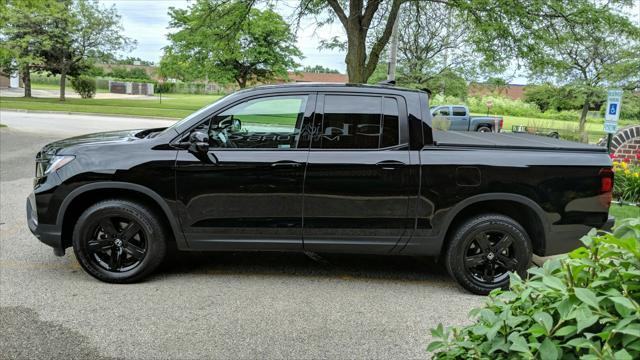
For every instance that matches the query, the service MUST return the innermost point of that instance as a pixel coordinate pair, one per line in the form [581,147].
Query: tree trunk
[242,82]
[583,114]
[356,54]
[26,81]
[63,84]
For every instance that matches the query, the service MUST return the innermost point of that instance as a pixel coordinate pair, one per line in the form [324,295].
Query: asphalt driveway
[210,305]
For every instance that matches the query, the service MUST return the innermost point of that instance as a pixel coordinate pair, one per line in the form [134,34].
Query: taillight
[501,123]
[606,180]
[606,186]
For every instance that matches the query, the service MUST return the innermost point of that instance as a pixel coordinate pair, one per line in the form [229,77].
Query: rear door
[358,179]
[459,118]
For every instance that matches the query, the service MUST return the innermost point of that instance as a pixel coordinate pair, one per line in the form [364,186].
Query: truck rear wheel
[484,249]
[484,128]
[119,241]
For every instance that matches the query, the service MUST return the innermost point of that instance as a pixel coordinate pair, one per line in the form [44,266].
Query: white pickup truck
[456,118]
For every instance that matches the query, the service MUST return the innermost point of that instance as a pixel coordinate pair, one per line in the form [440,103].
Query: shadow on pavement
[372,267]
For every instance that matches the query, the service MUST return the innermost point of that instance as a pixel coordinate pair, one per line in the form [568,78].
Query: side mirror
[199,142]
[236,125]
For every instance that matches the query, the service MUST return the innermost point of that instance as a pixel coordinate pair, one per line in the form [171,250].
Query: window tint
[390,123]
[351,122]
[265,123]
[459,111]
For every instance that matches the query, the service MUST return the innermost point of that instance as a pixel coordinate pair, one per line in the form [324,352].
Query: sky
[147,22]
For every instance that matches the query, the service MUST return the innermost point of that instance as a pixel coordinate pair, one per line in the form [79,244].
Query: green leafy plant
[85,86]
[626,185]
[582,306]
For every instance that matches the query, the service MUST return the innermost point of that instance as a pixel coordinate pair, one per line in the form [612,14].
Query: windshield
[192,115]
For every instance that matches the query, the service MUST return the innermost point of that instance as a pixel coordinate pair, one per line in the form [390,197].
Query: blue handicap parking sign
[613,109]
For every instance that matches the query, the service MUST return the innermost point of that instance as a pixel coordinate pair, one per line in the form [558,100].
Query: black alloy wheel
[484,249]
[489,256]
[118,244]
[119,241]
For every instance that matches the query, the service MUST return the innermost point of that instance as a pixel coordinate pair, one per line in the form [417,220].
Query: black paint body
[400,200]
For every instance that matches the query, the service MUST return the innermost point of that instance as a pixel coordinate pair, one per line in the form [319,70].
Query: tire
[479,256]
[484,128]
[119,241]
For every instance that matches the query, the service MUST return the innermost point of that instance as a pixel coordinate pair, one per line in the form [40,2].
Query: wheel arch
[84,196]
[520,208]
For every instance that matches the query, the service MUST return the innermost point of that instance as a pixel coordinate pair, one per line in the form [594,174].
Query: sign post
[612,114]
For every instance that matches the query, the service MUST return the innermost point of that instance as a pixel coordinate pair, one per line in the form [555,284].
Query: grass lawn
[41,86]
[624,211]
[174,106]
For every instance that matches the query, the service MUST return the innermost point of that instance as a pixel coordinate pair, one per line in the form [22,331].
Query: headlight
[57,162]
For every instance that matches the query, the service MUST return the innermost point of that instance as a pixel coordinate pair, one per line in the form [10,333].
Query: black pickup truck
[348,169]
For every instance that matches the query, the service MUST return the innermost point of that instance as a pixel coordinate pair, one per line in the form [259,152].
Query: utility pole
[393,51]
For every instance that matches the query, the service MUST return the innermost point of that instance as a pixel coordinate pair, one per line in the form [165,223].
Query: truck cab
[458,118]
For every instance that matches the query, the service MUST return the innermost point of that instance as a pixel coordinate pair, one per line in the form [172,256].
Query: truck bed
[509,140]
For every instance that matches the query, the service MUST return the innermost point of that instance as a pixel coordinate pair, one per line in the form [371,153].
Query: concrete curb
[88,113]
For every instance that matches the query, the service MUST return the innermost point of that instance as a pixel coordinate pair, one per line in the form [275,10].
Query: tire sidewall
[454,259]
[150,226]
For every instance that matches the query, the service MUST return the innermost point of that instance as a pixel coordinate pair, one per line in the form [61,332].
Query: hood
[104,137]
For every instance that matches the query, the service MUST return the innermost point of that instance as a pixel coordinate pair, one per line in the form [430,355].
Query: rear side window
[390,123]
[359,122]
[459,111]
[351,122]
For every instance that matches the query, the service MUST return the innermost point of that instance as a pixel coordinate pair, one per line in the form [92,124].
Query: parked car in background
[353,169]
[457,118]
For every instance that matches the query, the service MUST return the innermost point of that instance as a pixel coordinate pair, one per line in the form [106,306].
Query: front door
[359,179]
[246,193]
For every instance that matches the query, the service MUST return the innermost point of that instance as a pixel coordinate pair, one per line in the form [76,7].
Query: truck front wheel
[119,241]
[483,250]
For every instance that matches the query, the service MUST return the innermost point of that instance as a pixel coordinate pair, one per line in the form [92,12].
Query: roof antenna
[387,82]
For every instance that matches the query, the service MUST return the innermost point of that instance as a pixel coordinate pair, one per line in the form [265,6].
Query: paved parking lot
[212,305]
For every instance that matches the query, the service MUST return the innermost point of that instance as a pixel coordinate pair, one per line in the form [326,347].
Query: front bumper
[48,234]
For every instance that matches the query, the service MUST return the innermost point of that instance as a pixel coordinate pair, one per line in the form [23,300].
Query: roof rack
[387,82]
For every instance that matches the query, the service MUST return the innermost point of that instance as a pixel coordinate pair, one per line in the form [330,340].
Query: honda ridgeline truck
[346,169]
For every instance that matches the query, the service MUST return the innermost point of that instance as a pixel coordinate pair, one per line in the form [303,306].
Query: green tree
[25,35]
[228,42]
[85,31]
[579,42]
[432,44]
[320,69]
[542,95]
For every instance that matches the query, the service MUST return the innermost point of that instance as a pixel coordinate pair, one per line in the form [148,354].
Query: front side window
[264,123]
[443,112]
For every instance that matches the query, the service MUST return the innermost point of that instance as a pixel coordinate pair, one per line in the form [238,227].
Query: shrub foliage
[583,306]
[85,86]
[627,179]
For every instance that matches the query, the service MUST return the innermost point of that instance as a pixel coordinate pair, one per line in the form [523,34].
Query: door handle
[390,164]
[286,164]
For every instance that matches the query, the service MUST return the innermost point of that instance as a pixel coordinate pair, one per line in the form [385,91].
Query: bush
[122,73]
[164,88]
[585,305]
[85,86]
[626,185]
